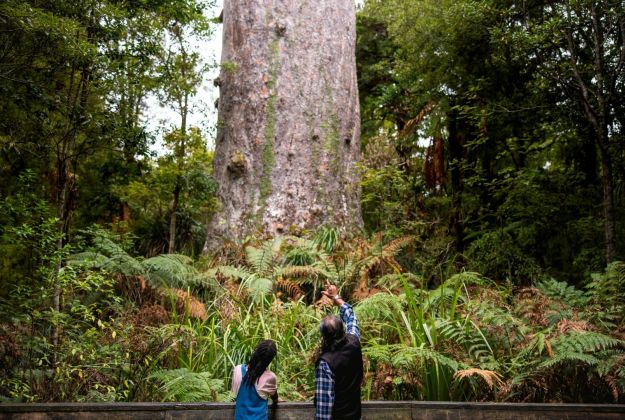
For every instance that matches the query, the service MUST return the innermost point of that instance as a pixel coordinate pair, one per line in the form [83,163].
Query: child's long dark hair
[263,354]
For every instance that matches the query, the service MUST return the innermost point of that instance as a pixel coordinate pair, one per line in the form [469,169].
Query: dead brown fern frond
[548,348]
[290,288]
[613,385]
[434,164]
[299,271]
[186,303]
[151,315]
[491,377]
[573,325]
[324,302]
[413,123]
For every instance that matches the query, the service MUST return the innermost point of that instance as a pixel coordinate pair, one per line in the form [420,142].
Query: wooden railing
[401,410]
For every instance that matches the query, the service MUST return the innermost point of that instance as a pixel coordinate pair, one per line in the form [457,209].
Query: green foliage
[461,340]
[467,139]
[181,385]
[563,292]
[609,288]
[481,152]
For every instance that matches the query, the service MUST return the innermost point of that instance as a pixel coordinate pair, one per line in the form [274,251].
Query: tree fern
[170,270]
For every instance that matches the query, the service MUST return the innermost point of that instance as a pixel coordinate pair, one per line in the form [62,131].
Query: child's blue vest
[249,404]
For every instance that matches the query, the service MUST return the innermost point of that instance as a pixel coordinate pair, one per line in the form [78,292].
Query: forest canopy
[488,264]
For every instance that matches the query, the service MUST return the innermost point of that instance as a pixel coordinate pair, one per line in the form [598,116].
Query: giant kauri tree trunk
[288,133]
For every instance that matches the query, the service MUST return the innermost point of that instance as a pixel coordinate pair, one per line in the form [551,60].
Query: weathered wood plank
[372,410]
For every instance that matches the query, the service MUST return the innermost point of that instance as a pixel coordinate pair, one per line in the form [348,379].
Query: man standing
[339,372]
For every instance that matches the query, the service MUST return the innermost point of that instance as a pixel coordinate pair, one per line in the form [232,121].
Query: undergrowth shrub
[167,328]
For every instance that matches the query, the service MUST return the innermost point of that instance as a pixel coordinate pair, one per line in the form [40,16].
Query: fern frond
[118,262]
[262,259]
[469,336]
[584,342]
[609,288]
[257,258]
[612,364]
[381,306]
[232,272]
[381,353]
[257,286]
[396,281]
[466,278]
[170,270]
[441,296]
[326,238]
[410,357]
[569,357]
[392,248]
[182,385]
[562,292]
[89,259]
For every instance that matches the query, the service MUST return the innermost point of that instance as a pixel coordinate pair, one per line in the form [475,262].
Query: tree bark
[288,132]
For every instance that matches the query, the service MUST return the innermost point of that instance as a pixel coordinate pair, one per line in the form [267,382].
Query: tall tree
[582,45]
[288,128]
[182,72]
[60,61]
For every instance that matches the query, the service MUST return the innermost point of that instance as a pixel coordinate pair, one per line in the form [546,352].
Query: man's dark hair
[332,333]
[263,354]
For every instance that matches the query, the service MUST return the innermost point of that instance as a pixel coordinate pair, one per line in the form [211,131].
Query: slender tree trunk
[62,215]
[609,211]
[180,151]
[178,186]
[173,220]
[288,130]
[455,158]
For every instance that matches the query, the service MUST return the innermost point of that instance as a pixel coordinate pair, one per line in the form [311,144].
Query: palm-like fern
[172,277]
[167,270]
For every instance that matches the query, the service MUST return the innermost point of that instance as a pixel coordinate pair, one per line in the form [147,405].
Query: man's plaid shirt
[324,378]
